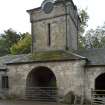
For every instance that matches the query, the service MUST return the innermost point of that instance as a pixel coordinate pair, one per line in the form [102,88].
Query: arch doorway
[100,85]
[100,82]
[41,85]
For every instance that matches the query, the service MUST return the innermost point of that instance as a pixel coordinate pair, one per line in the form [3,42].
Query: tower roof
[64,1]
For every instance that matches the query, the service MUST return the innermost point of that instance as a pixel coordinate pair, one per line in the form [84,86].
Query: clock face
[47,6]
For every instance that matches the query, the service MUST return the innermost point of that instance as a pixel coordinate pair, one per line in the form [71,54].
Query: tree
[7,39]
[95,38]
[81,42]
[10,36]
[3,47]
[84,17]
[23,45]
[11,41]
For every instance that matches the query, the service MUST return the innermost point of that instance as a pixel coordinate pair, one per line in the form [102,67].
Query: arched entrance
[100,82]
[41,84]
[100,86]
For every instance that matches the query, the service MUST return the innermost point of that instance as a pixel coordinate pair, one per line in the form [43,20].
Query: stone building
[56,66]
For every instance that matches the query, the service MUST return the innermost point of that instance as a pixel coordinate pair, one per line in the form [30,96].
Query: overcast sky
[13,13]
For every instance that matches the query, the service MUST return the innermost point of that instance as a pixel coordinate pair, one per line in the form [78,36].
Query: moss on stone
[49,55]
[69,98]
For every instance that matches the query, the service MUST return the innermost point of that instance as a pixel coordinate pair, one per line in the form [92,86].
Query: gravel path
[5,102]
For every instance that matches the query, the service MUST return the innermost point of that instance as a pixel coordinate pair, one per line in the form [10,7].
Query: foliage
[7,39]
[81,42]
[95,38]
[84,17]
[3,47]
[23,45]
[11,38]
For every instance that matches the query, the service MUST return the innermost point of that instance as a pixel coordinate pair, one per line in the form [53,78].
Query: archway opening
[41,84]
[100,86]
[100,82]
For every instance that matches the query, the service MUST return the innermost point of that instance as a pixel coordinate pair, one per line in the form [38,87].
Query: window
[5,82]
[49,34]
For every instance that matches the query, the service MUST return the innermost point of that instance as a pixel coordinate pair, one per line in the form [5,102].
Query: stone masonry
[64,25]
[69,75]
[54,46]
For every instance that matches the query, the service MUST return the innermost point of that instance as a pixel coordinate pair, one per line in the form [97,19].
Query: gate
[41,93]
[98,97]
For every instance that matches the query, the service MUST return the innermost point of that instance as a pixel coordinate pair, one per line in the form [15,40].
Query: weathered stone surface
[64,23]
[69,76]
[91,73]
[74,74]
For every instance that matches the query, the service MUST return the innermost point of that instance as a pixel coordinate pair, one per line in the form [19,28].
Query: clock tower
[55,26]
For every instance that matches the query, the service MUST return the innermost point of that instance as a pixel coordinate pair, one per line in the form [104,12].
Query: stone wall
[40,32]
[91,73]
[63,22]
[3,92]
[69,75]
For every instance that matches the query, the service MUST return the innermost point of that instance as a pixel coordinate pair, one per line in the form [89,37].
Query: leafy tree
[10,36]
[23,45]
[11,39]
[81,42]
[84,17]
[95,38]
[3,47]
[7,39]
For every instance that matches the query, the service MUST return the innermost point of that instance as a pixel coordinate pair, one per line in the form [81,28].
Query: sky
[13,13]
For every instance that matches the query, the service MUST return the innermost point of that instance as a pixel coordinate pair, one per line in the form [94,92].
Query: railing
[98,97]
[41,93]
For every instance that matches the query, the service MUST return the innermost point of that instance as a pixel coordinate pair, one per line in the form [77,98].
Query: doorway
[41,85]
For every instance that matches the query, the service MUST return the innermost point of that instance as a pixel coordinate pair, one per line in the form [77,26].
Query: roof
[94,56]
[42,56]
[56,2]
[11,58]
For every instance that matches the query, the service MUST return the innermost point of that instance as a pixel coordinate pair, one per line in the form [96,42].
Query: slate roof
[11,58]
[94,56]
[43,56]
